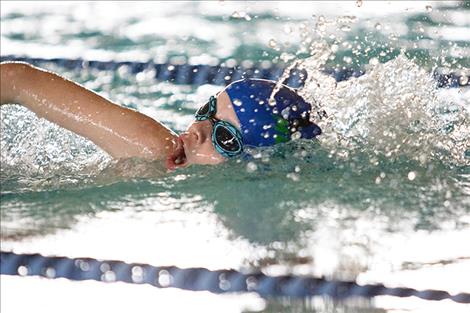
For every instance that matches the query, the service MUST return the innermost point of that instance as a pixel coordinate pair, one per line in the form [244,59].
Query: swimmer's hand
[121,132]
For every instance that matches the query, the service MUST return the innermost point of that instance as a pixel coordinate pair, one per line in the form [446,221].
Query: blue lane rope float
[202,279]
[218,75]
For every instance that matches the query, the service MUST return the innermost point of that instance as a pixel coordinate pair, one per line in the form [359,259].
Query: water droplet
[287,29]
[293,176]
[348,60]
[296,135]
[237,102]
[378,26]
[272,43]
[358,3]
[235,14]
[429,8]
[448,194]
[267,126]
[345,28]
[297,169]
[374,61]
[463,80]
[251,167]
[272,102]
[411,175]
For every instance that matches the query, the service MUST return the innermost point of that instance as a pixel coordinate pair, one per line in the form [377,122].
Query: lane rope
[196,75]
[202,279]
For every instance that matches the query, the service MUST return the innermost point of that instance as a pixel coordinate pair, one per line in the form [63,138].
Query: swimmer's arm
[121,132]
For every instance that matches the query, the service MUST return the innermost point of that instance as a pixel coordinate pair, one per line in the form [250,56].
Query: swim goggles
[226,138]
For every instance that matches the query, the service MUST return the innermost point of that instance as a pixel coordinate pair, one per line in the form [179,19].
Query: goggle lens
[203,111]
[226,139]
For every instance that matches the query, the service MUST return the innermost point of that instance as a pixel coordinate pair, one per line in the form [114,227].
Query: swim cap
[265,124]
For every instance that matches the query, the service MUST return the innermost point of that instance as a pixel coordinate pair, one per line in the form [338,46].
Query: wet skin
[122,132]
[194,146]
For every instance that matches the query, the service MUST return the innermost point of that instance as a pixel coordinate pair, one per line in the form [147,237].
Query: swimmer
[238,117]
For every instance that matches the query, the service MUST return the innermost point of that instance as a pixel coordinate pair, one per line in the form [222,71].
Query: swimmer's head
[243,116]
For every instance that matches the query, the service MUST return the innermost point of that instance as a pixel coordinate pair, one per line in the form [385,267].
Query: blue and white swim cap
[265,124]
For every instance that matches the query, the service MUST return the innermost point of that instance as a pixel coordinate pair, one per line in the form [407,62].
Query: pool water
[382,196]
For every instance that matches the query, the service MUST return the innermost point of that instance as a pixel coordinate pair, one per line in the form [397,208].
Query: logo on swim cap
[282,129]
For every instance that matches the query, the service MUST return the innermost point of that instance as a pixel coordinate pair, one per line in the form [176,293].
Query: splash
[36,154]
[394,110]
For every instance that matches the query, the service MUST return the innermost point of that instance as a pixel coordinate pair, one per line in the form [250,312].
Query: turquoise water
[382,196]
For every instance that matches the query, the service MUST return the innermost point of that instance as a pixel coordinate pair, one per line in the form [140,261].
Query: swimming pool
[383,196]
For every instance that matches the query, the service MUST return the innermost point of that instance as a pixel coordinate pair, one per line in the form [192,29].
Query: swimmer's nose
[201,131]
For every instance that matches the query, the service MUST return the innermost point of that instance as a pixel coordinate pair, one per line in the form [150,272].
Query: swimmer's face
[195,144]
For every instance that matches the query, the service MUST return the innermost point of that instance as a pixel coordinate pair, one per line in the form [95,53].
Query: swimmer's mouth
[178,157]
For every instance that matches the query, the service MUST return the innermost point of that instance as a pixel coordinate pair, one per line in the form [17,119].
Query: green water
[391,171]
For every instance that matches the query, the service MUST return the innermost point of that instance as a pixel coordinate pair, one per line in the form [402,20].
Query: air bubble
[378,26]
[345,28]
[429,8]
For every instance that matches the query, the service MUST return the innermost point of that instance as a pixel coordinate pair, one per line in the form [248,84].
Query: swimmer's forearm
[119,131]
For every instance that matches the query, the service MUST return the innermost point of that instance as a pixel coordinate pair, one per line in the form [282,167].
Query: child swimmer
[238,117]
